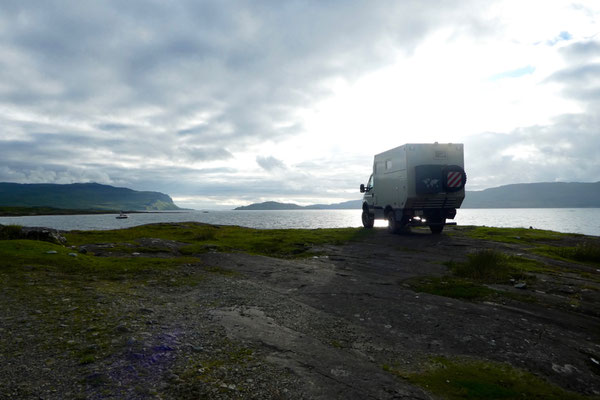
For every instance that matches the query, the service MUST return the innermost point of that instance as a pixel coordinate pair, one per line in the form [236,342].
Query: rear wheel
[438,227]
[393,225]
[367,219]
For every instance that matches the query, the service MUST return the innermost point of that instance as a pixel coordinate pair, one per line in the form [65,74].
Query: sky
[225,103]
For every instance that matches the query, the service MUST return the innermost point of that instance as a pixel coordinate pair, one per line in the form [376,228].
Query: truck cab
[419,184]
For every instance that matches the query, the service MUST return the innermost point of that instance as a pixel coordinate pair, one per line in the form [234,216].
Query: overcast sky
[224,103]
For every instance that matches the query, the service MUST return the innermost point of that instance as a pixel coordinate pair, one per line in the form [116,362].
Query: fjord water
[570,220]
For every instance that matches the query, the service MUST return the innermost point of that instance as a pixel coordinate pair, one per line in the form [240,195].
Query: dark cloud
[270,163]
[581,51]
[197,153]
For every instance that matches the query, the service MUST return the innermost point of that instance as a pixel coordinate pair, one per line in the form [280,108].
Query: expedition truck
[415,185]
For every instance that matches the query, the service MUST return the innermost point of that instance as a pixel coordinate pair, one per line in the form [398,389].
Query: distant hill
[270,205]
[346,205]
[521,195]
[82,196]
[273,205]
[536,195]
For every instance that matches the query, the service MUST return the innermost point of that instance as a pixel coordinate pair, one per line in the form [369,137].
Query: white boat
[122,215]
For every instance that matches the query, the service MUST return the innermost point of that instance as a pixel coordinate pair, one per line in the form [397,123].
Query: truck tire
[393,225]
[439,227]
[368,219]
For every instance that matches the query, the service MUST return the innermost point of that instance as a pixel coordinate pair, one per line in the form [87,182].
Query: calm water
[575,220]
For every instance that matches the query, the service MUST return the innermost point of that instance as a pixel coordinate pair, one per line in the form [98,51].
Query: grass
[484,266]
[516,235]
[468,279]
[79,302]
[587,252]
[200,238]
[10,232]
[478,380]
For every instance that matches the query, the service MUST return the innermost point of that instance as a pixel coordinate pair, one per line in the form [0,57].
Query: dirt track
[335,320]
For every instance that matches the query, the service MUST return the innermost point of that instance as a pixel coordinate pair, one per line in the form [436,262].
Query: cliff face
[91,196]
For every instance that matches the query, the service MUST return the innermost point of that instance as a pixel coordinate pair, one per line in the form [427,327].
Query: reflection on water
[576,220]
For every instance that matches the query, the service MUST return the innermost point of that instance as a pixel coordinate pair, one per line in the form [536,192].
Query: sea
[569,220]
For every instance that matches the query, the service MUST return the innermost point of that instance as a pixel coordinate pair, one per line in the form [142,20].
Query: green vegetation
[10,232]
[201,374]
[586,252]
[478,380]
[80,301]
[482,267]
[201,238]
[493,266]
[516,235]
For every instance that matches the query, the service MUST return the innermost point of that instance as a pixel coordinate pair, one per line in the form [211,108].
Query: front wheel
[368,220]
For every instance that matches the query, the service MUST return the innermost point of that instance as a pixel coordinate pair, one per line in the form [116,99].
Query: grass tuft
[10,232]
[484,265]
[584,252]
[477,380]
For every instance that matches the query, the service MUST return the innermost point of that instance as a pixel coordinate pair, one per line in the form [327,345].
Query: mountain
[273,205]
[270,205]
[346,205]
[82,196]
[521,195]
[536,195]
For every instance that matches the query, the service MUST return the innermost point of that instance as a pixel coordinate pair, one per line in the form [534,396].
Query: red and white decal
[454,179]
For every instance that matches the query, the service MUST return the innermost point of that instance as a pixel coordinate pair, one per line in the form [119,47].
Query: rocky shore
[379,316]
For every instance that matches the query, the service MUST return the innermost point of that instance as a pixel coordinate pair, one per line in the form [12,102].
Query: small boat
[122,215]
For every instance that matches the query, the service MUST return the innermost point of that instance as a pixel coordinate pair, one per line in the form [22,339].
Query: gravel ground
[316,328]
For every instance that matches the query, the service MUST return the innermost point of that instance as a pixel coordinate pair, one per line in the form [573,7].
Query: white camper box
[415,184]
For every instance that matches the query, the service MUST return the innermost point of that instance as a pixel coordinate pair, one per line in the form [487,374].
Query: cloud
[270,163]
[581,51]
[191,98]
[566,149]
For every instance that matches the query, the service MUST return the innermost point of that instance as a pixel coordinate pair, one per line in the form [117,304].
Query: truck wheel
[393,225]
[437,229]
[367,219]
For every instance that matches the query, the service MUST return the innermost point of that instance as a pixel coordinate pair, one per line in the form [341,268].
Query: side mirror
[362,187]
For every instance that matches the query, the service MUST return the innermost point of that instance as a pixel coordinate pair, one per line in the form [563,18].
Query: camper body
[415,184]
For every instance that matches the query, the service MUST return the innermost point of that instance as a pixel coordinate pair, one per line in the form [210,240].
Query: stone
[521,285]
